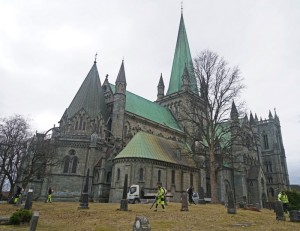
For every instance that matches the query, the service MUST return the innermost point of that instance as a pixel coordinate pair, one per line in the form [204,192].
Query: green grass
[64,216]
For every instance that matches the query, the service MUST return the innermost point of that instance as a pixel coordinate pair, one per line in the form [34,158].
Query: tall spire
[252,121]
[121,76]
[234,115]
[270,115]
[182,57]
[89,97]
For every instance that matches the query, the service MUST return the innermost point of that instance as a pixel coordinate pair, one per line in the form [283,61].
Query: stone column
[201,196]
[124,201]
[231,204]
[279,211]
[85,195]
[28,202]
[184,202]
[34,221]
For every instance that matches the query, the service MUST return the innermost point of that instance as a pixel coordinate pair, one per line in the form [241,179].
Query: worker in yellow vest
[160,198]
[285,201]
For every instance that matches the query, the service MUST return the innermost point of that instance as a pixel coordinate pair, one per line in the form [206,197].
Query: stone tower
[118,114]
[273,155]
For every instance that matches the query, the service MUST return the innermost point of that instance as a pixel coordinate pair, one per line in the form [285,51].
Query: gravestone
[231,204]
[124,201]
[34,221]
[201,196]
[294,216]
[28,202]
[278,208]
[84,204]
[184,202]
[141,224]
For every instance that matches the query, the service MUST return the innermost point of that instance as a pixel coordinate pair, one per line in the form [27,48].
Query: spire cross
[181,7]
[96,57]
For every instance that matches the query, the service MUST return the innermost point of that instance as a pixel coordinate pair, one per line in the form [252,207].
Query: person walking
[160,198]
[17,195]
[285,201]
[50,191]
[190,193]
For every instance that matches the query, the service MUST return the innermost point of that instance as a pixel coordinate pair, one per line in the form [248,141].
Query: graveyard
[67,216]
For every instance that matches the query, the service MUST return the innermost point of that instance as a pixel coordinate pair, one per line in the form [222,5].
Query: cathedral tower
[119,105]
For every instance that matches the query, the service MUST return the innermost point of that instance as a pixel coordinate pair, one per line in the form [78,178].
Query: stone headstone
[231,209]
[34,221]
[85,195]
[184,202]
[124,201]
[278,208]
[28,202]
[141,224]
[295,216]
[201,196]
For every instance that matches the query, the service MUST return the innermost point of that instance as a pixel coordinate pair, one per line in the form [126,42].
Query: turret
[270,115]
[160,88]
[118,114]
[234,115]
[252,121]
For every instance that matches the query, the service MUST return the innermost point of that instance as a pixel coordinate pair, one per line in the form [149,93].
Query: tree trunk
[213,178]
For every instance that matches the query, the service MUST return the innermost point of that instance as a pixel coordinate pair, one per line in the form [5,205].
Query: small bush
[21,216]
[294,200]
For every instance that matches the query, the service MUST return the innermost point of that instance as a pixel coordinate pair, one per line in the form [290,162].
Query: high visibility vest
[161,193]
[283,198]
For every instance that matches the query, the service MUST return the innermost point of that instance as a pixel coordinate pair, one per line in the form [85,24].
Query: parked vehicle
[196,198]
[136,194]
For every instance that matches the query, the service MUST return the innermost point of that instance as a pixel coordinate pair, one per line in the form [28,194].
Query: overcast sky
[48,47]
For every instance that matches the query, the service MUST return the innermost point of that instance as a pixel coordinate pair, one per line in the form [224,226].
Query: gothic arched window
[158,176]
[191,179]
[173,177]
[66,164]
[141,174]
[271,190]
[108,177]
[74,164]
[118,174]
[265,141]
[70,162]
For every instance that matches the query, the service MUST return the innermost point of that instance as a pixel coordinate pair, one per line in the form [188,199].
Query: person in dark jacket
[50,191]
[17,195]
[190,193]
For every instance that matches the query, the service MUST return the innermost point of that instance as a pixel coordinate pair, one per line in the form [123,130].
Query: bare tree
[14,133]
[219,85]
[40,156]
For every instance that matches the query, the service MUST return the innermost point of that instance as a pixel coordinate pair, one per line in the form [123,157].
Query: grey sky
[48,47]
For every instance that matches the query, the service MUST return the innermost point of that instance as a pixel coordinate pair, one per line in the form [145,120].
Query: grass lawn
[65,216]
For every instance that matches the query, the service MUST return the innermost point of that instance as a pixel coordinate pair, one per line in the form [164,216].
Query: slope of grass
[64,216]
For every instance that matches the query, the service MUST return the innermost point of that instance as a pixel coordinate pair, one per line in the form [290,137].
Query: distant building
[114,132]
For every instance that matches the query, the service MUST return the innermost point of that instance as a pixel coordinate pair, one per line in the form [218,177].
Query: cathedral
[113,132]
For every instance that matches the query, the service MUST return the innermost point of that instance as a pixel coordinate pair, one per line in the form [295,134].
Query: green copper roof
[89,97]
[182,58]
[144,145]
[149,110]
